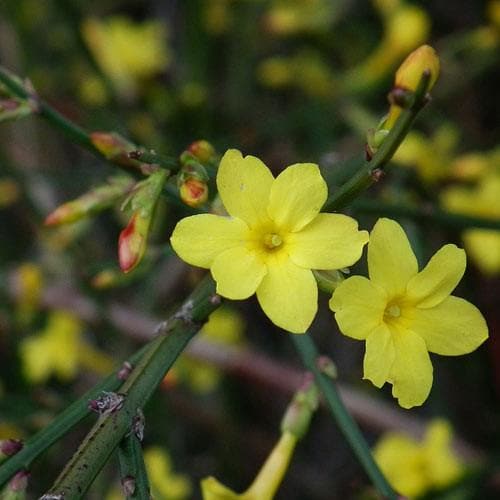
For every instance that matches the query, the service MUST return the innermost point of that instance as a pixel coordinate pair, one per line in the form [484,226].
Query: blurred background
[287,81]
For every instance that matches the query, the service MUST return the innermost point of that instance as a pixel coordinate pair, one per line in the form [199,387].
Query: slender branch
[133,472]
[74,132]
[116,420]
[307,350]
[368,173]
[425,213]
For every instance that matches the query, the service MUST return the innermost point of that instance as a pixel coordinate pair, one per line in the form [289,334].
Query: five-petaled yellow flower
[403,313]
[272,240]
[415,467]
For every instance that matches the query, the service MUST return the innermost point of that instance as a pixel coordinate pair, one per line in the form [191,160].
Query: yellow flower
[273,239]
[59,350]
[267,481]
[403,313]
[165,484]
[126,51]
[414,467]
[483,245]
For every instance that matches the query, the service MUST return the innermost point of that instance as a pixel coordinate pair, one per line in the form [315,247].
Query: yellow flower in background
[164,482]
[127,51]
[290,17]
[407,27]
[430,156]
[483,245]
[224,327]
[402,313]
[413,468]
[59,350]
[28,285]
[273,239]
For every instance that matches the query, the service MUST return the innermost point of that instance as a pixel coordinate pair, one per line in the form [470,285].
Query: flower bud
[113,147]
[410,72]
[299,413]
[9,447]
[16,489]
[133,239]
[132,242]
[92,202]
[202,150]
[193,192]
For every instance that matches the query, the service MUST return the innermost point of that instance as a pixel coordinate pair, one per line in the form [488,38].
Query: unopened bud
[113,147]
[133,239]
[12,109]
[92,202]
[328,281]
[410,72]
[16,489]
[193,192]
[9,447]
[132,243]
[202,150]
[299,413]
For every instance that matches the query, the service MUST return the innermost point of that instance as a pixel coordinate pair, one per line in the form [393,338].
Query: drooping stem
[309,355]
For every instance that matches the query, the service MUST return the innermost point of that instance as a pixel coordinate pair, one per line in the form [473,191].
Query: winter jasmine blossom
[272,240]
[403,314]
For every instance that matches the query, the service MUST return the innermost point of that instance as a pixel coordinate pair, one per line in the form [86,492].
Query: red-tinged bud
[132,244]
[202,150]
[113,147]
[92,202]
[193,192]
[133,239]
[9,447]
[16,489]
[170,380]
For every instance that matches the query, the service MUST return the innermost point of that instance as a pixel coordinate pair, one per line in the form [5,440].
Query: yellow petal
[483,246]
[238,272]
[211,489]
[438,278]
[288,295]
[330,241]
[379,356]
[244,185]
[297,196]
[451,328]
[391,261]
[359,306]
[411,373]
[200,238]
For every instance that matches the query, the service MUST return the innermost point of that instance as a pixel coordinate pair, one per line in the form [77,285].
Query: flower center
[272,241]
[393,311]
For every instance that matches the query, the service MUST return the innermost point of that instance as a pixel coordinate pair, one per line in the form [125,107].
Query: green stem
[425,213]
[74,132]
[132,467]
[113,425]
[309,354]
[62,424]
[367,174]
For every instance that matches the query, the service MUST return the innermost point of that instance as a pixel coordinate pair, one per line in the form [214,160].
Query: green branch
[62,424]
[119,410]
[307,351]
[134,477]
[73,132]
[370,170]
